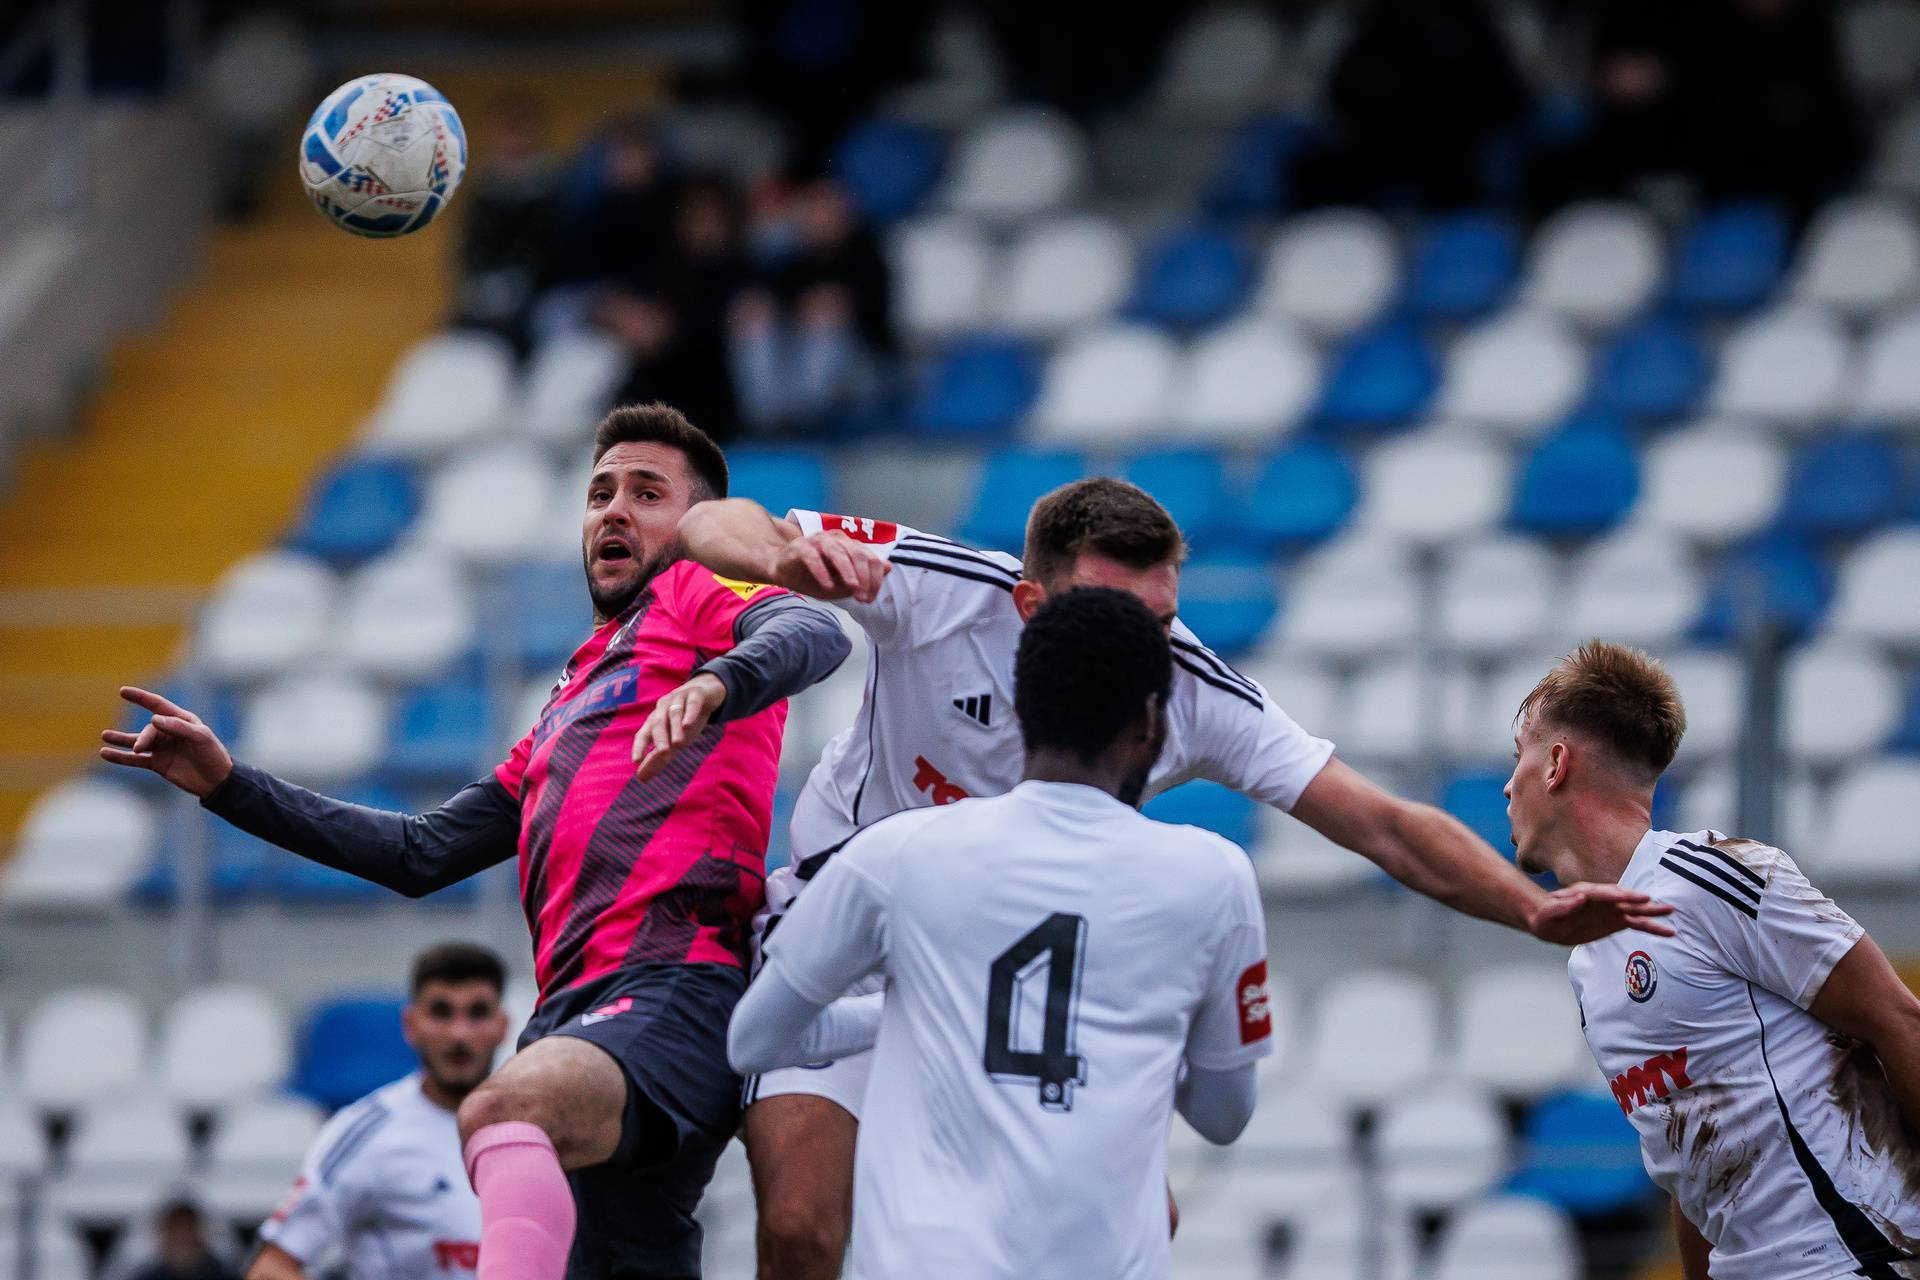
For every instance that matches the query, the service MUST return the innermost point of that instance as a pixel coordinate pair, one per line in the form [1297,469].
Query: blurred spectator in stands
[1416,96]
[673,319]
[617,217]
[811,341]
[511,201]
[181,1248]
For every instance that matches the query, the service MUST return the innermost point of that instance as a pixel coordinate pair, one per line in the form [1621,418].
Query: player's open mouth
[612,551]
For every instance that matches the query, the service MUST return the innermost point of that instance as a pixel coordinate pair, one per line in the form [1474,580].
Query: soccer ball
[382,155]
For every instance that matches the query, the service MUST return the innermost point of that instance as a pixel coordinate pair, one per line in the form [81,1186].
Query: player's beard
[612,603]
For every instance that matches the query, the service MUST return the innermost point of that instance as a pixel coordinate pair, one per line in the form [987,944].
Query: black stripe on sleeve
[1863,1240]
[961,555]
[1005,584]
[1739,866]
[1219,665]
[1207,677]
[1715,870]
[1745,908]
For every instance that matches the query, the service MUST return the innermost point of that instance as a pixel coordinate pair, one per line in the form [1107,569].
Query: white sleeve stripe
[1206,677]
[350,1141]
[1220,666]
[919,544]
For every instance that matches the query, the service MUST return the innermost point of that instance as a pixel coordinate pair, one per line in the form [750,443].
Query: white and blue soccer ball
[382,155]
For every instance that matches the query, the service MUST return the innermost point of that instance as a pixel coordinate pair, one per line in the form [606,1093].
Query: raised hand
[676,720]
[1587,912]
[829,566]
[175,744]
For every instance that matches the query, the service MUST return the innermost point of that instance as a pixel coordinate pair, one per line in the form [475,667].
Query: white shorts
[844,1082]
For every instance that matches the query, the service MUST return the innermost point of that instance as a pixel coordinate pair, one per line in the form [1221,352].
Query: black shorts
[666,1025]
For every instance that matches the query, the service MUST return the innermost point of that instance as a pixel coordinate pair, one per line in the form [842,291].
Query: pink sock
[526,1206]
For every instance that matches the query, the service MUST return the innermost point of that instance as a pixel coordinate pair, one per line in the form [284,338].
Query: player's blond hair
[1617,696]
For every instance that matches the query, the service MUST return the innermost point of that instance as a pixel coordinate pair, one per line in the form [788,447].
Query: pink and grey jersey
[615,870]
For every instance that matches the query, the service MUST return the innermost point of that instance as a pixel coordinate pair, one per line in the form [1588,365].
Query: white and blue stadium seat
[889,167]
[554,615]
[1190,277]
[1354,597]
[1517,1030]
[1709,800]
[570,381]
[319,729]
[1713,688]
[942,269]
[1434,486]
[1246,383]
[440,733]
[1225,62]
[1896,165]
[1842,486]
[1306,690]
[356,510]
[1496,594]
[350,1046]
[1581,480]
[1838,700]
[1730,258]
[1877,599]
[1509,1238]
[1348,1237]
[1301,495]
[1109,387]
[1381,377]
[1017,164]
[1870,839]
[1887,389]
[1595,263]
[1714,482]
[488,506]
[255,1153]
[1519,373]
[1374,1035]
[1463,266]
[1331,272]
[1880,47]
[1192,485]
[451,389]
[81,1044]
[270,614]
[23,1151]
[1063,273]
[1861,255]
[59,1254]
[221,1046]
[1294,862]
[1439,1147]
[408,615]
[1789,367]
[1010,482]
[1638,586]
[1484,729]
[1653,371]
[81,846]
[124,1149]
[1581,1154]
[1208,805]
[1777,577]
[781,480]
[978,387]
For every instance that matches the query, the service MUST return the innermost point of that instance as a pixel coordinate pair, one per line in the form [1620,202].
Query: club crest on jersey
[861,528]
[1256,1004]
[1642,977]
[606,1011]
[745,590]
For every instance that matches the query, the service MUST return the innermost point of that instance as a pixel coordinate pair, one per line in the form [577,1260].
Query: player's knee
[497,1102]
[802,1233]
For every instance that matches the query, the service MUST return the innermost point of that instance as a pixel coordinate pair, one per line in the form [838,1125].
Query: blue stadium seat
[1578,481]
[1190,277]
[437,730]
[357,510]
[1730,258]
[1010,483]
[889,166]
[240,867]
[1794,586]
[1463,266]
[981,387]
[1192,485]
[1383,378]
[1303,495]
[1581,1153]
[349,1047]
[1653,370]
[1219,809]
[554,614]
[1228,600]
[1842,486]
[778,479]
[1252,178]
[1907,736]
[1475,797]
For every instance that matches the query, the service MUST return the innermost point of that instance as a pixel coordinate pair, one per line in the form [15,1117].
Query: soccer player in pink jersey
[639,809]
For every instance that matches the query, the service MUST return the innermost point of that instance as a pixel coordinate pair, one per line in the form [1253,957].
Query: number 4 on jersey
[1055,942]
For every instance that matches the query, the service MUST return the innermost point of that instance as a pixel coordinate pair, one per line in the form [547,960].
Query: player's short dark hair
[658,423]
[1618,696]
[457,962]
[1112,517]
[1088,661]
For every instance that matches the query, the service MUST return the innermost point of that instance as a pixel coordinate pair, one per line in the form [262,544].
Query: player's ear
[1028,596]
[409,1025]
[1559,765]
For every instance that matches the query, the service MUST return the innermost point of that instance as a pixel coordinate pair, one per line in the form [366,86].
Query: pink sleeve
[708,604]
[511,771]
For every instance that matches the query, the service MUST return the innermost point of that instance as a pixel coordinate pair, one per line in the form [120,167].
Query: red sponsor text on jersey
[861,529]
[457,1255]
[929,779]
[1256,1006]
[285,1208]
[1636,1086]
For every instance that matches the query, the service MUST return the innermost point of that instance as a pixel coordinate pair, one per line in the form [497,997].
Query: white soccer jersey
[1049,955]
[385,1184]
[1778,1136]
[938,722]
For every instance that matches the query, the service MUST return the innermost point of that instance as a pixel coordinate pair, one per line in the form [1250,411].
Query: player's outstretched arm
[1217,1104]
[1434,853]
[739,538]
[413,854]
[1863,997]
[275,1263]
[775,1026]
[1694,1249]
